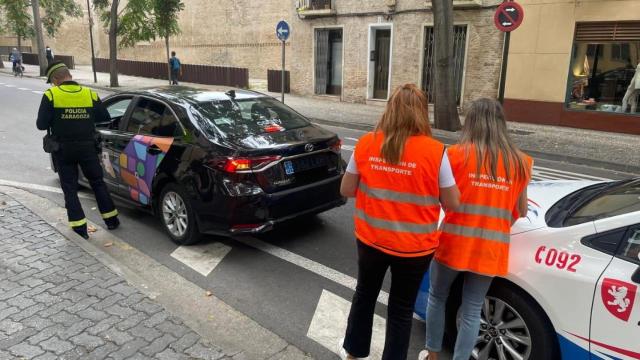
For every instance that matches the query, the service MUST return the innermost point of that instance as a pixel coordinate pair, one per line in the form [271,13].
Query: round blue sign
[283,31]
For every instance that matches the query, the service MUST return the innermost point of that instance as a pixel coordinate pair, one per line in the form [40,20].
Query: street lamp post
[93,54]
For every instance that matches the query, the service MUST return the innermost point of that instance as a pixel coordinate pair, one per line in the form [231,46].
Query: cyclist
[16,60]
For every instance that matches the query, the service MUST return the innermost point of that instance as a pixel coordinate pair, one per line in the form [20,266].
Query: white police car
[573,286]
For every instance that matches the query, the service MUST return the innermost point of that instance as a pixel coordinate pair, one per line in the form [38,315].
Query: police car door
[151,129]
[615,321]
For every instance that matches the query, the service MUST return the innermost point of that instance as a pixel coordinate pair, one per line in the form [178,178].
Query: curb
[629,169]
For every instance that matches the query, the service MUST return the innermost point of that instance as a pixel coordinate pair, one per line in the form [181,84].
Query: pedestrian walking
[399,176]
[49,54]
[176,68]
[492,175]
[68,112]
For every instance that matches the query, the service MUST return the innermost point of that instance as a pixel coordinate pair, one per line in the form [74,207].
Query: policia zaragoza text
[69,112]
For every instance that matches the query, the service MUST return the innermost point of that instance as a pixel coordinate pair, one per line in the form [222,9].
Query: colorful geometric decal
[138,166]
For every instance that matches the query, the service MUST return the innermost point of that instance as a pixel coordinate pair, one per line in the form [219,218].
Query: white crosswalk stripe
[330,322]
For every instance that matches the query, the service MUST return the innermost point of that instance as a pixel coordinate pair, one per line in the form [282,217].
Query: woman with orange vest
[492,175]
[399,176]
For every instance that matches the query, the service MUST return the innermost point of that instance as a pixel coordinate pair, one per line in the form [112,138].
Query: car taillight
[239,164]
[336,146]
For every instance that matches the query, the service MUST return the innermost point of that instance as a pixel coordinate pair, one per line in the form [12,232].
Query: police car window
[620,200]
[251,116]
[630,248]
[118,108]
[153,118]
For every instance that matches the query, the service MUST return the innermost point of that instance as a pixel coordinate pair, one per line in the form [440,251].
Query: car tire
[537,327]
[177,215]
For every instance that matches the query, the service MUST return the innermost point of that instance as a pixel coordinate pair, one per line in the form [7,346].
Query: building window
[428,63]
[328,61]
[605,68]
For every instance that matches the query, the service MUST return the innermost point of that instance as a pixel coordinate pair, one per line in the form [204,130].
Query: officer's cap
[53,67]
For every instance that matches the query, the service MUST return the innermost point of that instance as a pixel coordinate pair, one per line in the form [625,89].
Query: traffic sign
[508,16]
[283,31]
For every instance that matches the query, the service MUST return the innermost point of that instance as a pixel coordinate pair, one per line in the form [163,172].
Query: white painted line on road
[38,187]
[38,92]
[309,265]
[581,176]
[348,147]
[352,139]
[24,89]
[201,258]
[9,85]
[330,322]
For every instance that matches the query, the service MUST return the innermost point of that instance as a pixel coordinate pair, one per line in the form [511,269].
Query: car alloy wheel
[174,212]
[504,335]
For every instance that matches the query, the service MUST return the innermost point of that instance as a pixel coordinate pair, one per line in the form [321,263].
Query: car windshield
[249,117]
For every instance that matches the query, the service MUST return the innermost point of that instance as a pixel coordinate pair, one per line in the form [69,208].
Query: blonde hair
[485,128]
[406,115]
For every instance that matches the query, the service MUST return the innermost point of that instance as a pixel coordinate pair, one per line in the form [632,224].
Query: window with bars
[459,53]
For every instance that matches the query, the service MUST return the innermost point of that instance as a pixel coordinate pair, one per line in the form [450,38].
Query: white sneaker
[424,355]
[342,353]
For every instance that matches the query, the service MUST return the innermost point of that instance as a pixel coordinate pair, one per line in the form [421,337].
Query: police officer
[68,111]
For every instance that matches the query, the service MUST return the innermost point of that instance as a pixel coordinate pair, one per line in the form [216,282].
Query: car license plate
[288,167]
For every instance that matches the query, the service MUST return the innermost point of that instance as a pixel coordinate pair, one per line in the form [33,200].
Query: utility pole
[93,54]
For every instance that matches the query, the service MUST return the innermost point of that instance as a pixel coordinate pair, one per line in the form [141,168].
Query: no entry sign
[508,16]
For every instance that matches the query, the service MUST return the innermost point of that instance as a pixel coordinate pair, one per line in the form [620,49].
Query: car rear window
[250,116]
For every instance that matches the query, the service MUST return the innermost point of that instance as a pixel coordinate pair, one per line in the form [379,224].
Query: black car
[218,162]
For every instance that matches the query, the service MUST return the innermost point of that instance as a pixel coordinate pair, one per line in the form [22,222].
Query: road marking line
[9,85]
[201,258]
[570,173]
[37,92]
[348,147]
[330,322]
[24,89]
[309,265]
[38,187]
[352,139]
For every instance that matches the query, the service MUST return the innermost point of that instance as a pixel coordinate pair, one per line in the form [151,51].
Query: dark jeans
[67,162]
[406,276]
[174,76]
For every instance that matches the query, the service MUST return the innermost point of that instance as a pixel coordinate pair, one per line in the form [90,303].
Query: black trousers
[67,161]
[174,76]
[406,276]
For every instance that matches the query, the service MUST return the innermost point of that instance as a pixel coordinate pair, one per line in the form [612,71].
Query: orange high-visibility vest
[476,236]
[397,206]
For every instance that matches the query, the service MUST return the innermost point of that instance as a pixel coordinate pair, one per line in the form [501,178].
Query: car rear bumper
[259,213]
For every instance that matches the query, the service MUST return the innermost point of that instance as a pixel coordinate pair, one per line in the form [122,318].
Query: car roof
[193,95]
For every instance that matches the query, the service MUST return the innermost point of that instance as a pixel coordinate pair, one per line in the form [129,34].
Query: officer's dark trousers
[67,162]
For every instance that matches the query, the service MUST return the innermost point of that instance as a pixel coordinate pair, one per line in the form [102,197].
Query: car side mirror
[636,276]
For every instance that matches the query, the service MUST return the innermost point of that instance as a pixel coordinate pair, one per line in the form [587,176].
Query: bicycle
[18,70]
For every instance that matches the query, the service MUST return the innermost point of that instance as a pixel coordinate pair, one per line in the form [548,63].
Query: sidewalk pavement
[58,302]
[612,151]
[63,297]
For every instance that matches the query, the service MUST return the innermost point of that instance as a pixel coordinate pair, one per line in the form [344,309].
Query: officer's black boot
[81,230]
[112,222]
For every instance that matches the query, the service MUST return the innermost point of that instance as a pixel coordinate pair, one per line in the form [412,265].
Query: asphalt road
[296,280]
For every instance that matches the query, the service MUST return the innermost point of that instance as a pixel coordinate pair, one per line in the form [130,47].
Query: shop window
[605,69]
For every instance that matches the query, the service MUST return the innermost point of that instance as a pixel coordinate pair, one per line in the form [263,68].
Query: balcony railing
[315,8]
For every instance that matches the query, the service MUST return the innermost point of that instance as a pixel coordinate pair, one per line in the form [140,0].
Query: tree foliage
[16,18]
[55,12]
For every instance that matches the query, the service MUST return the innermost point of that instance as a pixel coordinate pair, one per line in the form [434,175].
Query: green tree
[444,96]
[139,20]
[20,21]
[165,14]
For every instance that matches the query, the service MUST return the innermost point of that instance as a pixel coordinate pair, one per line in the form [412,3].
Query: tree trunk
[37,24]
[166,42]
[444,96]
[19,43]
[113,44]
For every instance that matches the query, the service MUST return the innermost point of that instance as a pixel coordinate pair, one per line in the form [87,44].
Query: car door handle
[636,276]
[153,150]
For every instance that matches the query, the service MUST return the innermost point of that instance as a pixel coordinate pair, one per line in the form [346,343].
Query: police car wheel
[513,326]
[177,215]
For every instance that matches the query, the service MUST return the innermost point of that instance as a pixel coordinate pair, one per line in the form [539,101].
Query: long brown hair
[485,128]
[406,115]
